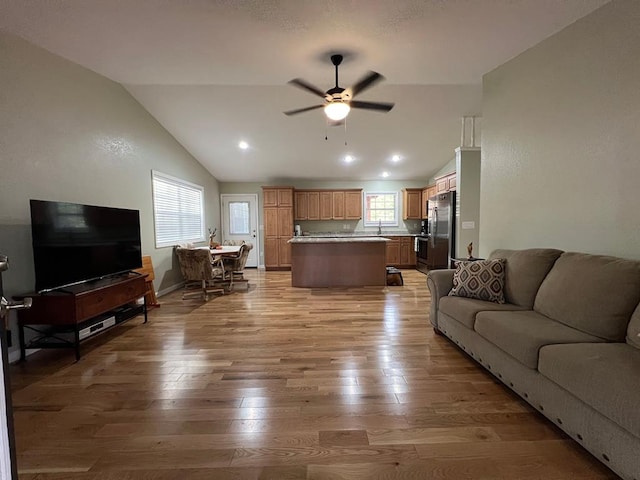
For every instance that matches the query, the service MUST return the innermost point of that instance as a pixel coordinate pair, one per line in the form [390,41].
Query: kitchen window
[380,208]
[178,210]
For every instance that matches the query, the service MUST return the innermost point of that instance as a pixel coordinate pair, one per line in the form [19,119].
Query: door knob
[6,305]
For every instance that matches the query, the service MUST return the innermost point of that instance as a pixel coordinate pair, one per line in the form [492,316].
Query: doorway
[240,222]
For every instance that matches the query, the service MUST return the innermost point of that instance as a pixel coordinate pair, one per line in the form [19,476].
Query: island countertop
[307,240]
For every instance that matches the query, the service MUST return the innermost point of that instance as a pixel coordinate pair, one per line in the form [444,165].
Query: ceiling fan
[339,101]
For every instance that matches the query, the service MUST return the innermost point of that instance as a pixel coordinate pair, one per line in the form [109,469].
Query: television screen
[74,243]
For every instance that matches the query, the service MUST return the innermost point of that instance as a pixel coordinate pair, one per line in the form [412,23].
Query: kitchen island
[338,261]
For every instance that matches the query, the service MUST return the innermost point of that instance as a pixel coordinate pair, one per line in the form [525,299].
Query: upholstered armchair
[202,274]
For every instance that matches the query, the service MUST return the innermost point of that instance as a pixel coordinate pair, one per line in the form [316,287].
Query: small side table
[464,259]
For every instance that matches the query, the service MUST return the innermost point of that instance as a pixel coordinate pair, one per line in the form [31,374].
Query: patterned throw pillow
[482,279]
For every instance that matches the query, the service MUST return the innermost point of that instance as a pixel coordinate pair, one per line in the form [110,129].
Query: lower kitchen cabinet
[401,252]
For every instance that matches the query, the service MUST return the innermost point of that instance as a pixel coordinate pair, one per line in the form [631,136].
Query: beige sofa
[567,340]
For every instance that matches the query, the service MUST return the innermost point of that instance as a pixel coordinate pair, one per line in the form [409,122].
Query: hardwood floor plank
[278,383]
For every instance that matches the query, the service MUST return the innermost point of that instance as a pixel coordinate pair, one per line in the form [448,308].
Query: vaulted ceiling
[215,72]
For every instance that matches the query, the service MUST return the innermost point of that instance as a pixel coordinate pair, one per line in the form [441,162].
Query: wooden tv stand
[69,310]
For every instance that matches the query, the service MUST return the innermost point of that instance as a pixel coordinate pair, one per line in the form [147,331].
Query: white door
[240,222]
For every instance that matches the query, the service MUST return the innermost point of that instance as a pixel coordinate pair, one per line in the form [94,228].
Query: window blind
[178,208]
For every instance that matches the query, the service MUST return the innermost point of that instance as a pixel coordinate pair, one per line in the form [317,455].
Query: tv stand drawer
[95,302]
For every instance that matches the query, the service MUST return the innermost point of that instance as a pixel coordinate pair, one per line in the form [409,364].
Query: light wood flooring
[281,383]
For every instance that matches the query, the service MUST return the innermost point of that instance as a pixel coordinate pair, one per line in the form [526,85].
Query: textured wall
[68,134]
[560,146]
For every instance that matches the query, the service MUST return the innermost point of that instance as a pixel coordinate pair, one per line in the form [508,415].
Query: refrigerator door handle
[435,229]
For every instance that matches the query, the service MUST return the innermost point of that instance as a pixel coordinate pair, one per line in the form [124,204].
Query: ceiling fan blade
[301,110]
[298,82]
[369,80]
[382,107]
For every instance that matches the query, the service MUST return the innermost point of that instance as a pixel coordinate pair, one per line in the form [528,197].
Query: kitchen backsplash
[354,226]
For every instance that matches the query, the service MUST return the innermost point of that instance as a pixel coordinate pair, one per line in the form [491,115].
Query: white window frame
[180,233]
[391,223]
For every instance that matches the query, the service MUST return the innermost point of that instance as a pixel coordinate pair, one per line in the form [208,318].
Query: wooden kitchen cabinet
[284,252]
[270,215]
[270,197]
[393,252]
[401,252]
[301,206]
[313,210]
[427,193]
[307,205]
[353,204]
[452,182]
[411,203]
[285,222]
[285,197]
[446,183]
[338,205]
[271,253]
[407,252]
[278,227]
[326,205]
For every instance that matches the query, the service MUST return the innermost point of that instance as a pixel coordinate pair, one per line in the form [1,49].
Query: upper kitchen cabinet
[411,205]
[328,204]
[353,204]
[446,183]
[427,193]
[301,205]
[338,205]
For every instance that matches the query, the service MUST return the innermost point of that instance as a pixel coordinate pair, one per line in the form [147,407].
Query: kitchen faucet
[379,227]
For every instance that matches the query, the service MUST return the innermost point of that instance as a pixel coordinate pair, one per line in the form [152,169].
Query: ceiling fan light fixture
[337,111]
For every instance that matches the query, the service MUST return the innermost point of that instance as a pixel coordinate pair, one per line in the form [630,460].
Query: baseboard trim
[170,289]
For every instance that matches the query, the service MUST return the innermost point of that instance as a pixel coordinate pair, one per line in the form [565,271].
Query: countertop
[349,239]
[357,234]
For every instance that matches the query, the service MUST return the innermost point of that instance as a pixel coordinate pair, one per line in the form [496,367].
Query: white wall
[561,140]
[69,134]
[468,162]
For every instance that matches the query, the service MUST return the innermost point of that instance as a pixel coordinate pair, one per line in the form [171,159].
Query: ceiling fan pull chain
[345,132]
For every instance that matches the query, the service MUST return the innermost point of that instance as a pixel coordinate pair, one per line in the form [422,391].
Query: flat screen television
[74,243]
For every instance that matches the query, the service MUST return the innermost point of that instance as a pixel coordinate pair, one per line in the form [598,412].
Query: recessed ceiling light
[349,158]
[243,145]
[384,174]
[395,158]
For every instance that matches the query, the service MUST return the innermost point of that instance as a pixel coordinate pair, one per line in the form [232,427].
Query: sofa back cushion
[524,272]
[593,293]
[633,331]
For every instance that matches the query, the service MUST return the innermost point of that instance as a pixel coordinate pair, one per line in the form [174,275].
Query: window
[178,209]
[381,208]
[239,218]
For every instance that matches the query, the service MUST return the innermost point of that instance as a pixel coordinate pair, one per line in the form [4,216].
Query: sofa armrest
[440,283]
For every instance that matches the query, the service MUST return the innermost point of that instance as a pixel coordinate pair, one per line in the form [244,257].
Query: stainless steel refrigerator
[442,230]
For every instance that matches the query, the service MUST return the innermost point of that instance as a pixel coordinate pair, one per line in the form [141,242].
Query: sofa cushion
[525,270]
[593,293]
[464,310]
[633,331]
[522,334]
[606,376]
[481,279]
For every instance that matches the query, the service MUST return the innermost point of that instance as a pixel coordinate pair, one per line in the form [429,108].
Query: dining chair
[202,274]
[234,265]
